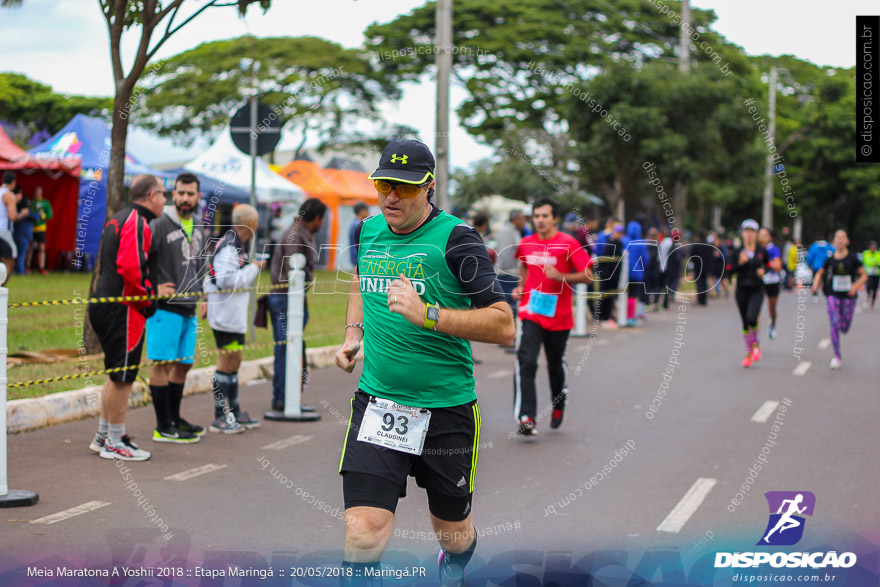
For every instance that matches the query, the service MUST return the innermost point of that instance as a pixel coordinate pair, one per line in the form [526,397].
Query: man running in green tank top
[424,287]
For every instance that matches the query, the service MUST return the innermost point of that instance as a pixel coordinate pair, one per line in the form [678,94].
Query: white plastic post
[295,305]
[296,296]
[15,497]
[623,282]
[580,320]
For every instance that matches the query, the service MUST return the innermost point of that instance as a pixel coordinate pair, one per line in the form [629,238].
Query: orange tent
[334,187]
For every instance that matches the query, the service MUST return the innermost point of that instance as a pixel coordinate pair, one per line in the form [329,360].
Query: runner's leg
[833,306]
[524,393]
[555,342]
[847,311]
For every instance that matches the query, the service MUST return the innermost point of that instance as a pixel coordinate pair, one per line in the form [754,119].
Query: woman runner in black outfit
[749,264]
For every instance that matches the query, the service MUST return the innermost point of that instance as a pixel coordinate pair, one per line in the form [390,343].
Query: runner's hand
[517,293]
[743,257]
[760,272]
[345,355]
[553,273]
[165,289]
[403,300]
[203,309]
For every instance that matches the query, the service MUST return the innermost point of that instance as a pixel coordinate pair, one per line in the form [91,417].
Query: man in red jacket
[123,270]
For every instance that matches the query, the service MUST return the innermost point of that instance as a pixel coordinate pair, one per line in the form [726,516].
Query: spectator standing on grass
[611,249]
[654,280]
[299,238]
[229,268]
[670,265]
[506,265]
[176,252]
[361,211]
[22,230]
[8,215]
[124,269]
[43,210]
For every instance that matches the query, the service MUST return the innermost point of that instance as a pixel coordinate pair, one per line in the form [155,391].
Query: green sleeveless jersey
[405,363]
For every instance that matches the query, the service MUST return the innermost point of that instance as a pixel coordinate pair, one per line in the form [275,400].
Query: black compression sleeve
[469,261]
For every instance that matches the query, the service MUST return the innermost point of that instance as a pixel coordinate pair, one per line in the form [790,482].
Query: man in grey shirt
[299,238]
[506,241]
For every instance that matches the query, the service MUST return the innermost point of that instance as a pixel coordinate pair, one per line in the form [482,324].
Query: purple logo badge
[787,508]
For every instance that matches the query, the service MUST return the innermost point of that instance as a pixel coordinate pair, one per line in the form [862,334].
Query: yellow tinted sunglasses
[404,190]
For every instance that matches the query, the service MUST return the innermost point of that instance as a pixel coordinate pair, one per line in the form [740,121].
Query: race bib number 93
[394,426]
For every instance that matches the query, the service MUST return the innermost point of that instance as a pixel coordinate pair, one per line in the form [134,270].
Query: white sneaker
[835,363]
[124,451]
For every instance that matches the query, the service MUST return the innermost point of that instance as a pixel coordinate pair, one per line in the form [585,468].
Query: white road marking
[297,439]
[685,508]
[765,411]
[72,512]
[824,344]
[257,382]
[499,374]
[802,368]
[190,473]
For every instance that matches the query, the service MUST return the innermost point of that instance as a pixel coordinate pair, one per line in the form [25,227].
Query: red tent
[59,179]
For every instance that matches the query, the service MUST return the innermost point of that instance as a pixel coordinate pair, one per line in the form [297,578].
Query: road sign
[266,128]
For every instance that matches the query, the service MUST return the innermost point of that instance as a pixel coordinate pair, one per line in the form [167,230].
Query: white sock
[102,428]
[117,431]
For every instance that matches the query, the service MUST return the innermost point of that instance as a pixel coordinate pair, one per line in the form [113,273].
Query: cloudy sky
[63,43]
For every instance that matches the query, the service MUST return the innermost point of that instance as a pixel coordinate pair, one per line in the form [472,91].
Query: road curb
[49,410]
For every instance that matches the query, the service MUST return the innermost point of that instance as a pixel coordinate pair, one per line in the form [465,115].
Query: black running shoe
[185,426]
[174,435]
[556,418]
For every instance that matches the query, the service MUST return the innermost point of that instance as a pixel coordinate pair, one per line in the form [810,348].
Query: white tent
[225,163]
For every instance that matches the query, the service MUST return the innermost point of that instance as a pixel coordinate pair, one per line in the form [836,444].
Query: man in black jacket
[123,270]
[176,251]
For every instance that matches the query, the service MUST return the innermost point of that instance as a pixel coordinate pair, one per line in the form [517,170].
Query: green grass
[60,327]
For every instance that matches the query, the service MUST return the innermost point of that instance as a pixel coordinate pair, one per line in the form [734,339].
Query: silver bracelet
[355,325]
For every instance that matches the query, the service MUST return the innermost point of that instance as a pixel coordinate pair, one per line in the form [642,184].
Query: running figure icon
[786,522]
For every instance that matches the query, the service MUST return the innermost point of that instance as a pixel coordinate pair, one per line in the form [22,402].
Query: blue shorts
[171,336]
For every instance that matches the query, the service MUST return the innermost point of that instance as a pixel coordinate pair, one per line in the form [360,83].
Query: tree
[148,16]
[32,107]
[527,65]
[313,83]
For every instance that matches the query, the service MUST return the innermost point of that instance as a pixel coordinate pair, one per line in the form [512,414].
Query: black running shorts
[120,330]
[232,341]
[446,468]
[772,290]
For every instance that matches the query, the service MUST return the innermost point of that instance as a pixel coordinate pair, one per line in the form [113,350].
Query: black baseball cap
[406,161]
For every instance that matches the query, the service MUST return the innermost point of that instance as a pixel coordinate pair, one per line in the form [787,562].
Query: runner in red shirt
[550,262]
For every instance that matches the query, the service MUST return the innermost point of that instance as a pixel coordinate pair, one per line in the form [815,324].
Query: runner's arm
[346,354]
[493,324]
[817,279]
[863,277]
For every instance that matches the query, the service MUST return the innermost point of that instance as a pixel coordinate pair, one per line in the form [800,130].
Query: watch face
[433,314]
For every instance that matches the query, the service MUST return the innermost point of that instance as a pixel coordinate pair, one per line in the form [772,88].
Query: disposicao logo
[786,528]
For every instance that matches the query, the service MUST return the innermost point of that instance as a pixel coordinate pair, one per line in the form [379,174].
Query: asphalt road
[674,486]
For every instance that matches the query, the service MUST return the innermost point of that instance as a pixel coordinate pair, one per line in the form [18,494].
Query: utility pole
[684,39]
[767,215]
[443,60]
[679,191]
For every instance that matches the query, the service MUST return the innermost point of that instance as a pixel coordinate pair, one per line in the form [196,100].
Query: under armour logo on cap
[405,161]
